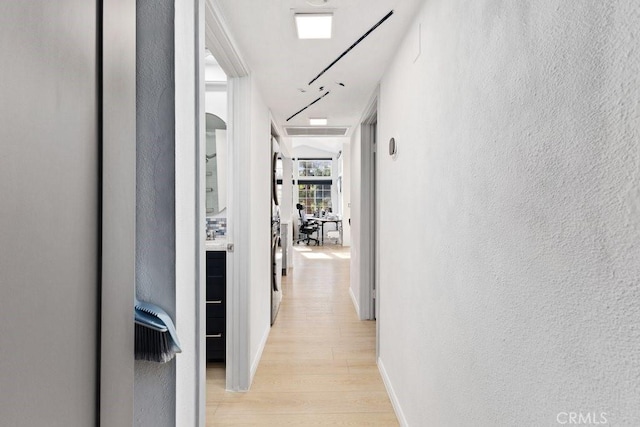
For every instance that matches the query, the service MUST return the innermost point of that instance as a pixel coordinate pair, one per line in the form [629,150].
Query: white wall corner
[392,395]
[355,303]
[189,224]
[258,355]
[238,372]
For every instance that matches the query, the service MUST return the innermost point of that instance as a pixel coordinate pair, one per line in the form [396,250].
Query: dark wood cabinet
[216,295]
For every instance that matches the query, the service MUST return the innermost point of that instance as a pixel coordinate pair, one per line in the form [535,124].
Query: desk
[322,221]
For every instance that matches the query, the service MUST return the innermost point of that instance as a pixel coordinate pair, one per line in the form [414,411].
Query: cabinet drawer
[215,269]
[215,289]
[216,348]
[215,308]
[216,264]
[216,286]
[216,255]
[216,326]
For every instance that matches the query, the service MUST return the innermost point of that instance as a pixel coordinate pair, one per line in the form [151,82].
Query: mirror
[216,165]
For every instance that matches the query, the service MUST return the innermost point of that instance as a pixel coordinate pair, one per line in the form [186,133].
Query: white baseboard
[355,303]
[392,395]
[256,359]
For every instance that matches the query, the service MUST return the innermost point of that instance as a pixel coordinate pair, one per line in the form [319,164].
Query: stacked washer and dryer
[276,246]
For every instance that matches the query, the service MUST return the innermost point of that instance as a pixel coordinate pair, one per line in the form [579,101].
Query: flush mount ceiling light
[318,122]
[313,25]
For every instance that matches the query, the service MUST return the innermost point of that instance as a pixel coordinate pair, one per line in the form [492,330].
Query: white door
[49,213]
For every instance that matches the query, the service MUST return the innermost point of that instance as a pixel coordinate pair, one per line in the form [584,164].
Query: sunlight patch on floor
[316,256]
[301,249]
[342,255]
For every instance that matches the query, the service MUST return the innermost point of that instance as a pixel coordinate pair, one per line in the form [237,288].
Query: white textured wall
[154,388]
[260,219]
[512,292]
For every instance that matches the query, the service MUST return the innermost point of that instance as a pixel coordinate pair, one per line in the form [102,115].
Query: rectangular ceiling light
[313,25]
[318,122]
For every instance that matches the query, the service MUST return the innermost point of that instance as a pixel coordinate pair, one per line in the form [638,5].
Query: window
[315,197]
[314,185]
[320,167]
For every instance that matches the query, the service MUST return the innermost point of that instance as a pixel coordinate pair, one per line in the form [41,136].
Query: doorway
[374,230]
[369,222]
[368,217]
[237,366]
[216,161]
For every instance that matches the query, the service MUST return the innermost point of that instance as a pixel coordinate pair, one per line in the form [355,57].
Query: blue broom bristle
[153,345]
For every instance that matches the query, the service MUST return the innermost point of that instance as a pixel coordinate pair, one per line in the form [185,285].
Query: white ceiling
[300,146]
[282,65]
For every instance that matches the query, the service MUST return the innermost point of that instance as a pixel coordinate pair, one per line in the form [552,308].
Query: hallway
[318,366]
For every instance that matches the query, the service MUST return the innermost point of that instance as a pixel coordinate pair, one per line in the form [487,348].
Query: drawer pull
[218,301]
[214,336]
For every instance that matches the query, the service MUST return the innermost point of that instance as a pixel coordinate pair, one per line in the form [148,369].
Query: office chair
[307,227]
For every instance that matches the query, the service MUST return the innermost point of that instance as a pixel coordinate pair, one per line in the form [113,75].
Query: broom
[155,335]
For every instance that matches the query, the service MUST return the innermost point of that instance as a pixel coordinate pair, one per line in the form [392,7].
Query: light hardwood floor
[318,367]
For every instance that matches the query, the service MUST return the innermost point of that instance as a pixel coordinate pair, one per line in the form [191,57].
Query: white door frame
[219,42]
[368,264]
[189,234]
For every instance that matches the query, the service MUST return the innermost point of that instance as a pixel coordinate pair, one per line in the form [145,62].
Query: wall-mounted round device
[393,147]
